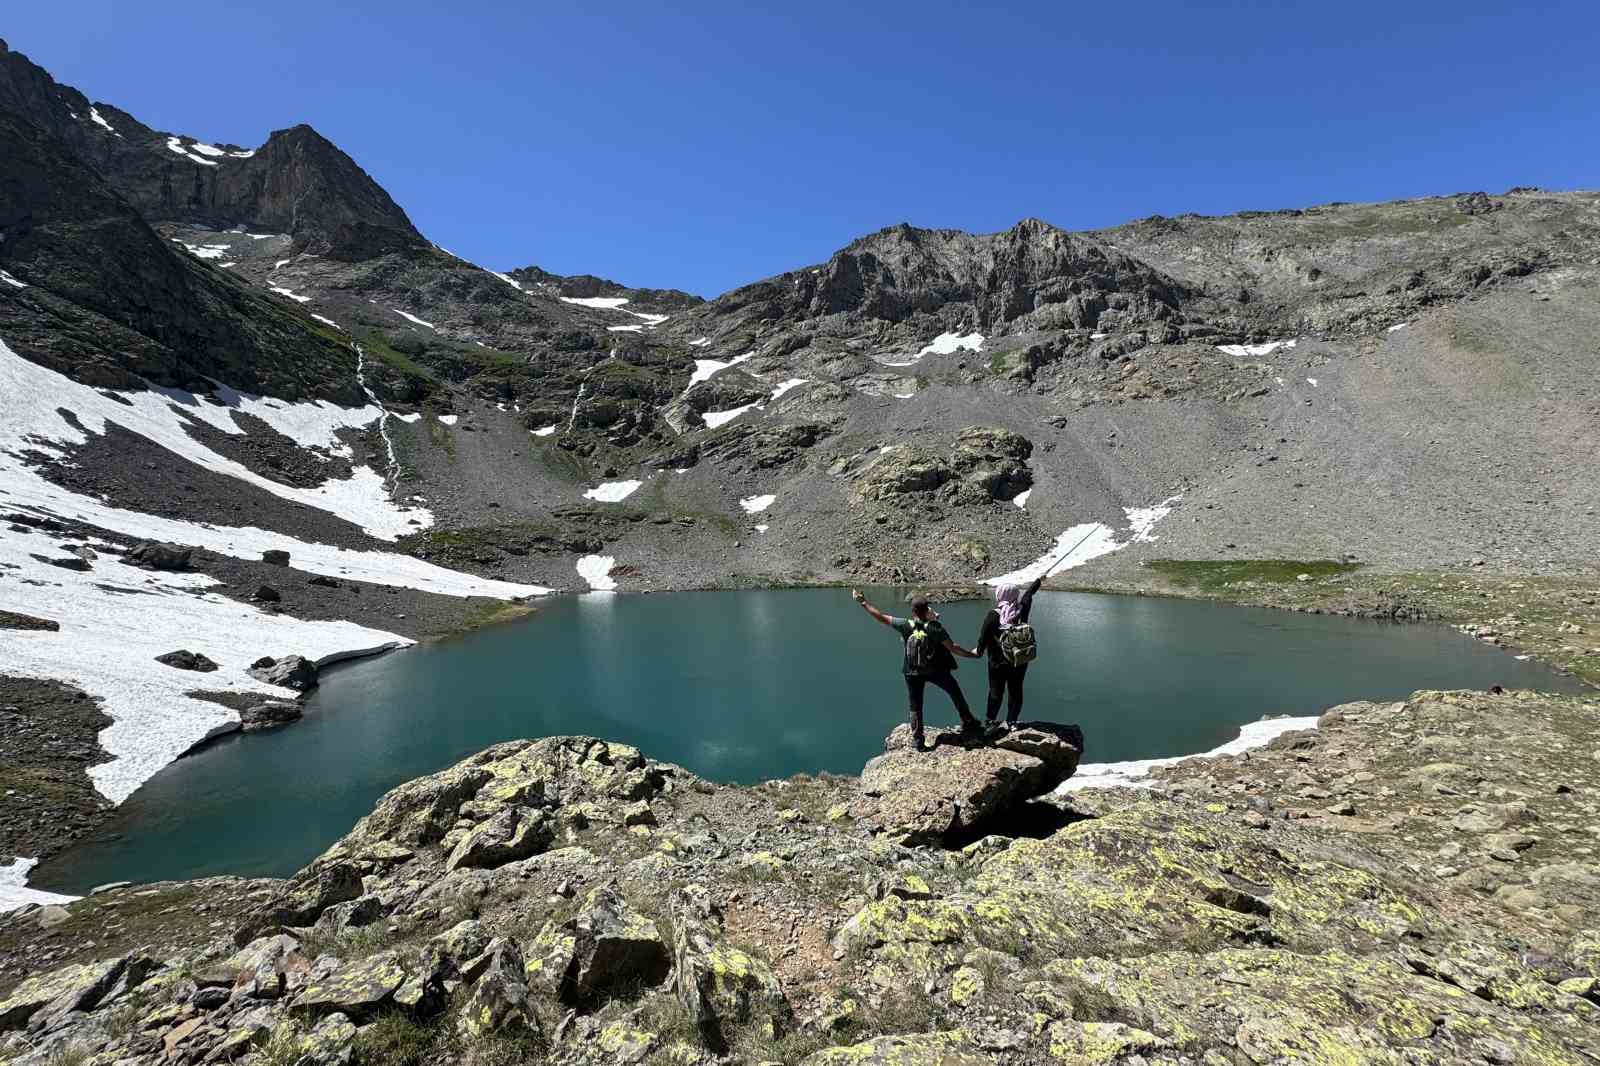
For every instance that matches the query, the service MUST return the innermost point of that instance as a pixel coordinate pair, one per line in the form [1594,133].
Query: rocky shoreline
[1409,882]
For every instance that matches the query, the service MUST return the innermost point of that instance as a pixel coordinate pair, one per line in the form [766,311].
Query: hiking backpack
[920,651]
[1017,644]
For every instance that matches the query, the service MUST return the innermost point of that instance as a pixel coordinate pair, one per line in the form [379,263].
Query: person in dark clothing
[1011,607]
[924,624]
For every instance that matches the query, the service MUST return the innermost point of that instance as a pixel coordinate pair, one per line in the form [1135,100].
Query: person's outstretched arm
[855,594]
[957,649]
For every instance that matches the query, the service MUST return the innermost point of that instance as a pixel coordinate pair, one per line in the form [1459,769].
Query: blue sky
[705,145]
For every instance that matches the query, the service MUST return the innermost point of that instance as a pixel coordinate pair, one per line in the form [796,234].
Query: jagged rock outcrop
[1224,913]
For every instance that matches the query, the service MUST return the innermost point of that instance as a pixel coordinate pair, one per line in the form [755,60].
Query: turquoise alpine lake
[742,687]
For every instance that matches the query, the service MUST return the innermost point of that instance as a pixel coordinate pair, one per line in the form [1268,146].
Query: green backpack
[1017,644]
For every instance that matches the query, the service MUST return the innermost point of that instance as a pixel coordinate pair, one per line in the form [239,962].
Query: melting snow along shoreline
[1135,773]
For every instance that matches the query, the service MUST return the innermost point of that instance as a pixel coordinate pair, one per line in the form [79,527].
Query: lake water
[745,686]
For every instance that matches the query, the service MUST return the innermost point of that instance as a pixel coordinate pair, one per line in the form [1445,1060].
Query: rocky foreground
[1411,882]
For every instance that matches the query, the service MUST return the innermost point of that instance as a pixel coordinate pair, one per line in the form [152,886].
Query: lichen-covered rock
[924,1049]
[718,984]
[499,1000]
[929,797]
[625,1045]
[514,833]
[315,889]
[50,996]
[331,1042]
[1134,880]
[356,989]
[606,946]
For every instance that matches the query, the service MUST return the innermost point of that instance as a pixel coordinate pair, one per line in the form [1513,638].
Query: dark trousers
[943,679]
[1006,681]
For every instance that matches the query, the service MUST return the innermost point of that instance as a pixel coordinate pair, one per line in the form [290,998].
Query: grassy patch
[1212,576]
[396,1039]
[377,345]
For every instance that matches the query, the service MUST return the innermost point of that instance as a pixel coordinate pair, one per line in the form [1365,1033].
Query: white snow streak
[543,431]
[1398,326]
[596,570]
[705,368]
[176,145]
[1254,349]
[508,279]
[784,386]
[625,329]
[291,294]
[9,280]
[1021,498]
[943,344]
[757,504]
[414,416]
[608,303]
[204,251]
[449,420]
[326,321]
[613,491]
[1089,540]
[713,419]
[411,318]
[1135,773]
[701,343]
[99,120]
[1312,382]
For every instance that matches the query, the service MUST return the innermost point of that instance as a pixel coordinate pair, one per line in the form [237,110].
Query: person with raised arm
[930,657]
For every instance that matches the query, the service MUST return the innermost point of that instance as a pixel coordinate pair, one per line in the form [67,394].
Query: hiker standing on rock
[1008,639]
[929,657]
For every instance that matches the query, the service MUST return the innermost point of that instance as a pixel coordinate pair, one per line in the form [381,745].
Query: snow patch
[613,491]
[1255,349]
[762,528]
[1135,773]
[99,120]
[609,303]
[784,386]
[1312,382]
[543,431]
[176,145]
[701,343]
[1021,498]
[1397,327]
[291,294]
[13,890]
[207,149]
[596,570]
[1090,540]
[757,504]
[713,419]
[204,251]
[115,619]
[624,329]
[449,420]
[243,154]
[411,318]
[943,344]
[162,416]
[326,321]
[508,279]
[414,416]
[705,368]
[13,282]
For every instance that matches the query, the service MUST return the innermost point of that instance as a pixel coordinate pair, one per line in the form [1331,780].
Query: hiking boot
[996,730]
[919,743]
[971,728]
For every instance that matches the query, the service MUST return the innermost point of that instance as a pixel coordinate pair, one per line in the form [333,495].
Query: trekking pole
[1058,560]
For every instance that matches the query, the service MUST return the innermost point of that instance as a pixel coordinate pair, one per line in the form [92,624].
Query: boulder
[300,903]
[358,990]
[183,659]
[514,833]
[499,1000]
[331,1043]
[150,555]
[351,914]
[275,557]
[934,796]
[324,581]
[719,985]
[291,671]
[611,946]
[48,997]
[267,594]
[67,562]
[269,715]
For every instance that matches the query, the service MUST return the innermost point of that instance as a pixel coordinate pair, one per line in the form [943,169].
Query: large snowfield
[115,619]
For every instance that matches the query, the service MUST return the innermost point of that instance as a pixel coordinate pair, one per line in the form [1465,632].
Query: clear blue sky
[705,145]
